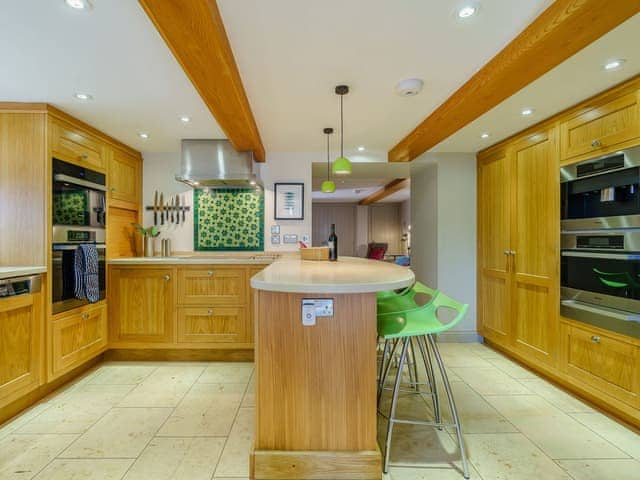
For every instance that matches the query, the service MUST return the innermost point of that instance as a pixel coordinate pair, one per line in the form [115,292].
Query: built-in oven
[78,217]
[601,193]
[600,279]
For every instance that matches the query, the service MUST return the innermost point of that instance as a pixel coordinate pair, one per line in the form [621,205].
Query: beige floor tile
[94,469]
[602,469]
[234,461]
[510,456]
[121,433]
[483,350]
[23,456]
[177,459]
[556,433]
[464,359]
[429,473]
[619,435]
[556,396]
[121,374]
[21,419]
[165,387]
[230,372]
[491,381]
[512,368]
[77,411]
[207,410]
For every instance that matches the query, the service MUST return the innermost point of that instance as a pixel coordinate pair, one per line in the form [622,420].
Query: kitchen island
[316,376]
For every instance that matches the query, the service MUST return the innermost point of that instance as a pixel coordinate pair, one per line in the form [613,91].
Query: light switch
[308,312]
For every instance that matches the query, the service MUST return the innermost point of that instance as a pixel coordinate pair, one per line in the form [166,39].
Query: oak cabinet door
[212,286]
[535,246]
[212,324]
[20,346]
[142,305]
[124,179]
[493,245]
[77,146]
[601,128]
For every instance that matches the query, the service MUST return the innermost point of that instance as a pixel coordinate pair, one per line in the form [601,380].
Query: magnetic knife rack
[166,208]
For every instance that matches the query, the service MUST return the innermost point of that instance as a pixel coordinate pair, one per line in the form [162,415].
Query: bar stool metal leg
[413,367]
[394,403]
[428,365]
[452,404]
[386,368]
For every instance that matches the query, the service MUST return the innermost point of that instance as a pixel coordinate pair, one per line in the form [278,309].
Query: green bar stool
[420,323]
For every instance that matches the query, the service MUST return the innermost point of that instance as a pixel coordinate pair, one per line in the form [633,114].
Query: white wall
[443,211]
[161,168]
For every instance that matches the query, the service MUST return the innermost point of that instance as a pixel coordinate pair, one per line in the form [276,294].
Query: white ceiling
[113,52]
[576,79]
[292,53]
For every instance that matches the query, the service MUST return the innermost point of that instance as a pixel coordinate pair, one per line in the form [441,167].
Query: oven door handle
[609,256]
[99,246]
[59,177]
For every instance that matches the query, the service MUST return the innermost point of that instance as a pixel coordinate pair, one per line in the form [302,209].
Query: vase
[148,246]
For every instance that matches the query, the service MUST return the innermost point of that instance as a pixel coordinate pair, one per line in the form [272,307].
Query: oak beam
[392,187]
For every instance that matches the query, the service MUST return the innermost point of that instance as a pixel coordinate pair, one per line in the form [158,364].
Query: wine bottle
[333,244]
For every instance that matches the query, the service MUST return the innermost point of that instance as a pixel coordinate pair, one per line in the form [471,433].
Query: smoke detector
[409,87]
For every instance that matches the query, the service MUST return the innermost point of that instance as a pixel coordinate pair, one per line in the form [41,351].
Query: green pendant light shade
[328,186]
[342,165]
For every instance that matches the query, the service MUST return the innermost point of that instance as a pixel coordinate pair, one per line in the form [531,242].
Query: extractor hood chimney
[215,164]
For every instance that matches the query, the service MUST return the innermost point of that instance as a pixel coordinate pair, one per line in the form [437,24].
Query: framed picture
[289,201]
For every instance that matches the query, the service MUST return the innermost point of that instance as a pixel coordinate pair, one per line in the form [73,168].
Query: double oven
[600,256]
[79,217]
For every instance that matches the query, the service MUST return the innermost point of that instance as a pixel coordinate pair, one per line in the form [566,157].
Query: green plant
[146,232]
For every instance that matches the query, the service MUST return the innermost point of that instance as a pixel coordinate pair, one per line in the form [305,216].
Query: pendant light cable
[328,160]
[341,128]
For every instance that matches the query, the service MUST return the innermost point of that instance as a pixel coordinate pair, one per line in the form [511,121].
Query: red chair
[377,251]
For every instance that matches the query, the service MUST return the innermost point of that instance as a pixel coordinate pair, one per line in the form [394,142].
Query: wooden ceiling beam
[195,33]
[562,30]
[390,188]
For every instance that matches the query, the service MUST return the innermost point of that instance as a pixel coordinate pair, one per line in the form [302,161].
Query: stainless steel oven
[79,217]
[600,279]
[602,193]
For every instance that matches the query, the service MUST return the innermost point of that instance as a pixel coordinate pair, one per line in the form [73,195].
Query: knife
[184,204]
[155,208]
[161,208]
[172,207]
[177,209]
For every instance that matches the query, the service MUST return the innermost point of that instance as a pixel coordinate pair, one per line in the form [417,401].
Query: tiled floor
[161,421]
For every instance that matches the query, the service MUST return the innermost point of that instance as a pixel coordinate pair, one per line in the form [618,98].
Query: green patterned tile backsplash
[69,207]
[228,219]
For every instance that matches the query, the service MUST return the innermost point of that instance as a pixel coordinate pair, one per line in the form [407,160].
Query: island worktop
[316,374]
[347,275]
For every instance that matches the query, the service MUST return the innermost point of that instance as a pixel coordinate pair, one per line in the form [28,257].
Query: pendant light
[342,165]
[328,186]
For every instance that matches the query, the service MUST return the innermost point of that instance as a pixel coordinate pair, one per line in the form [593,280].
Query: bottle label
[331,247]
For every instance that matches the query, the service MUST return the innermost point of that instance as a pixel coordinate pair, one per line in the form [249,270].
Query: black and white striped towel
[86,273]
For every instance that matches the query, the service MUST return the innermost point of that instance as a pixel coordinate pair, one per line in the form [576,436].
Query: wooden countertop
[347,275]
[230,258]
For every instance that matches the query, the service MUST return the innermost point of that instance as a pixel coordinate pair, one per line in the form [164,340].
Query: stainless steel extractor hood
[215,164]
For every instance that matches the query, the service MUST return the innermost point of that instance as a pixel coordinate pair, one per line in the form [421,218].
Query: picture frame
[289,201]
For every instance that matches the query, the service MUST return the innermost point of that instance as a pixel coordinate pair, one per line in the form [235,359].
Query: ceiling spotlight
[467,11]
[409,87]
[526,112]
[484,135]
[361,148]
[143,135]
[614,64]
[185,119]
[78,4]
[84,97]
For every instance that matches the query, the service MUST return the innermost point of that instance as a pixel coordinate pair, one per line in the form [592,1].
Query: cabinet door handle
[85,316]
[512,252]
[210,312]
[506,252]
[595,339]
[596,143]
[84,156]
[167,277]
[210,273]
[113,189]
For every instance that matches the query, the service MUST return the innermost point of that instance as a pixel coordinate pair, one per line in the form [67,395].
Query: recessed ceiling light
[467,11]
[361,148]
[526,112]
[484,135]
[143,135]
[78,4]
[185,119]
[614,64]
[85,97]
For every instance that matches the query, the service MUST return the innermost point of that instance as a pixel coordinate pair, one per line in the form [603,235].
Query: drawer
[603,362]
[212,324]
[76,146]
[602,128]
[212,286]
[77,338]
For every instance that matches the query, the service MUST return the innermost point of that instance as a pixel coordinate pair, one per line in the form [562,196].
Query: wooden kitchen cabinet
[124,180]
[21,346]
[215,285]
[602,128]
[75,145]
[77,337]
[142,302]
[212,324]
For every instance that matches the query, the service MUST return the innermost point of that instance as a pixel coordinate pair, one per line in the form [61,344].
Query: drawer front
[212,286]
[601,128]
[605,363]
[76,146]
[78,338]
[212,324]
